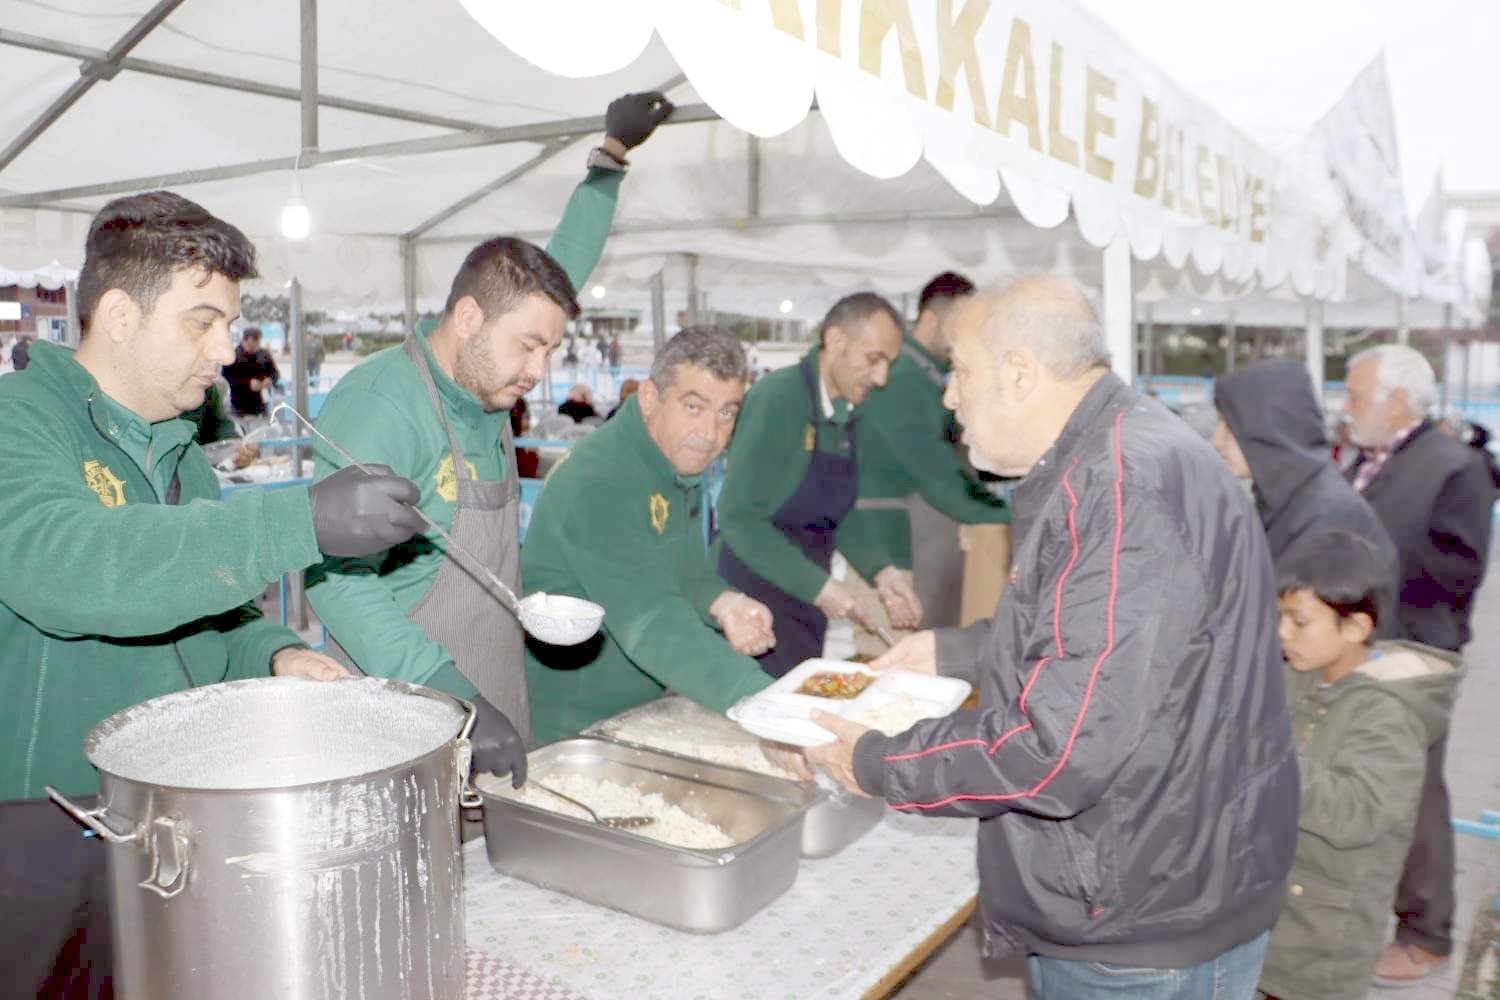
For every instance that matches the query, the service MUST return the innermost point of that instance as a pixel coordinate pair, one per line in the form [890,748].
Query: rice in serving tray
[744,754]
[673,825]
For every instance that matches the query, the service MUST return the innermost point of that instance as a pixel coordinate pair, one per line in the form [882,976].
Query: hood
[1426,679]
[1272,412]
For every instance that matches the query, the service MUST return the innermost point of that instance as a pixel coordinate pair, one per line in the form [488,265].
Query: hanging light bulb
[597,291]
[786,305]
[296,220]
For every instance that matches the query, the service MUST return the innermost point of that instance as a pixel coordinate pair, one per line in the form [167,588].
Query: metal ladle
[579,619]
[613,822]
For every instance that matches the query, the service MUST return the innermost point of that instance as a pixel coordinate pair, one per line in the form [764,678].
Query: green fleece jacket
[381,413]
[617,525]
[1362,751]
[108,596]
[780,426]
[904,449]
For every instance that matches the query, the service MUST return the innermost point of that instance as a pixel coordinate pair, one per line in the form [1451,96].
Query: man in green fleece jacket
[125,577]
[912,486]
[793,477]
[621,523]
[437,411]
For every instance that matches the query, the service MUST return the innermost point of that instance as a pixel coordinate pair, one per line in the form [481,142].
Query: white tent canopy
[207,103]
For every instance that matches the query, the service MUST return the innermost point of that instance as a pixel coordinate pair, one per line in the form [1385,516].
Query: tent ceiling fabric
[894,194]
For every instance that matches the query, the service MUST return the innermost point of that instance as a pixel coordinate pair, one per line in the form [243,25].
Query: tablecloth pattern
[847,921]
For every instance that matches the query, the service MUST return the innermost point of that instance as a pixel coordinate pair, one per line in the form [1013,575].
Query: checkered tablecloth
[491,978]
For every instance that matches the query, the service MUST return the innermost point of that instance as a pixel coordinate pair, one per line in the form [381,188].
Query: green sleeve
[252,640]
[861,543]
[578,242]
[76,567]
[1373,780]
[766,461]
[657,627]
[212,422]
[911,428]
[359,608]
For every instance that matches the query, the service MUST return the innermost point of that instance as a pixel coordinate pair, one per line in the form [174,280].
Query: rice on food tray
[673,824]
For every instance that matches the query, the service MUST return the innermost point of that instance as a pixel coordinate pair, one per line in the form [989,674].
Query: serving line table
[853,925]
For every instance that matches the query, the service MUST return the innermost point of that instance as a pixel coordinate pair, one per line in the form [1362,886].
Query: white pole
[1119,309]
[1315,346]
[658,312]
[70,295]
[1403,326]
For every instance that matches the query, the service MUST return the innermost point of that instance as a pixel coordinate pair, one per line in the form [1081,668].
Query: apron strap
[419,358]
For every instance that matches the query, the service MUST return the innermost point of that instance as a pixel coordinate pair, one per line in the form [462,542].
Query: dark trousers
[54,915]
[1425,896]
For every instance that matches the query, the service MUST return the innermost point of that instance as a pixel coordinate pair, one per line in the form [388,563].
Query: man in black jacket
[252,371]
[1435,495]
[1271,432]
[1131,760]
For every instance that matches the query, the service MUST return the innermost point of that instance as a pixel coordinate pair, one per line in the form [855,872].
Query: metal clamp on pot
[168,876]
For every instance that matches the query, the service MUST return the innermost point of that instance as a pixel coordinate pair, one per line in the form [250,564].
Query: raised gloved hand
[497,745]
[899,597]
[631,119]
[747,623]
[356,513]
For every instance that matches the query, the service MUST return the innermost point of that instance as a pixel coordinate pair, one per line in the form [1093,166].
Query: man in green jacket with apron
[913,490]
[125,577]
[436,410]
[622,523]
[792,481]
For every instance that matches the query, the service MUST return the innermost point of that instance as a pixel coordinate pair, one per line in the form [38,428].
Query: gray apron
[461,611]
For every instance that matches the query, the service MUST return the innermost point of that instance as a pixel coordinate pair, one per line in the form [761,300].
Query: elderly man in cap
[1130,761]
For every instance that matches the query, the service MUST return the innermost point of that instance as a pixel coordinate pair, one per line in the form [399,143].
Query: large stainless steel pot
[282,838]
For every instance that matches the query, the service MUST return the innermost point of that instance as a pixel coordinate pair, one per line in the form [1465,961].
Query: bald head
[1047,317]
[1023,358]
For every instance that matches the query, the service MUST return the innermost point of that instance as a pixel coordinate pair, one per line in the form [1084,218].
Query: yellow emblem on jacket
[659,510]
[447,482]
[106,485]
[809,438]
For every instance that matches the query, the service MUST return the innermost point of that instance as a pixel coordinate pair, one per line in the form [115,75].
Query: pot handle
[468,797]
[92,818]
[168,875]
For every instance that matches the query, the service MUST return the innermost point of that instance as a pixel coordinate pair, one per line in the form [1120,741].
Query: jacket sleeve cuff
[869,763]
[958,651]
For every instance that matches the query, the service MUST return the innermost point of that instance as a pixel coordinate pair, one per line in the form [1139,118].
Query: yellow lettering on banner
[1260,208]
[1227,207]
[956,47]
[1189,204]
[1097,123]
[1169,167]
[1148,152]
[786,16]
[1020,70]
[831,27]
[1206,188]
[1058,145]
[876,19]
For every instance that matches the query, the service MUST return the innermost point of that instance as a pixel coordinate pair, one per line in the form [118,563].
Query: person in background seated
[528,461]
[579,405]
[1363,715]
[627,389]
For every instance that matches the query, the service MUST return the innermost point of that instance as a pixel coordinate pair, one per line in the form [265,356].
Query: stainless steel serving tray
[703,891]
[832,823]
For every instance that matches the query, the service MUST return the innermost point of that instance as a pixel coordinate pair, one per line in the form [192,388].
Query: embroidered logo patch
[809,438]
[446,481]
[106,485]
[659,508]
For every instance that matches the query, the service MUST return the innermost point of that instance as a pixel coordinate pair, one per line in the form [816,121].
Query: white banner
[1034,95]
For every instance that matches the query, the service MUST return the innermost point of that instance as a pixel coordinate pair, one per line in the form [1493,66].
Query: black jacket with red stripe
[1131,761]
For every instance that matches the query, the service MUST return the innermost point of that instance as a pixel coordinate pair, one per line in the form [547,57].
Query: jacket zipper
[94,420]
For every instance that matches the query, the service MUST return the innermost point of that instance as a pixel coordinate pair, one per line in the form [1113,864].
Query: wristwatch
[600,157]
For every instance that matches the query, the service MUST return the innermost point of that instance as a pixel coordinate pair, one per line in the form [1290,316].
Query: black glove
[359,514]
[632,118]
[497,746]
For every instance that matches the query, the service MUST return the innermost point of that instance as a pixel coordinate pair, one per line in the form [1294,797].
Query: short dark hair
[712,348]
[251,331]
[136,243]
[856,308]
[943,289]
[500,272]
[1344,571]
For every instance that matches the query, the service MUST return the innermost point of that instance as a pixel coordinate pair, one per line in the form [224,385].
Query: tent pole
[1231,337]
[89,73]
[1148,354]
[70,293]
[752,181]
[296,605]
[309,75]
[1119,309]
[658,311]
[690,261]
[409,284]
[1403,327]
[1315,346]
